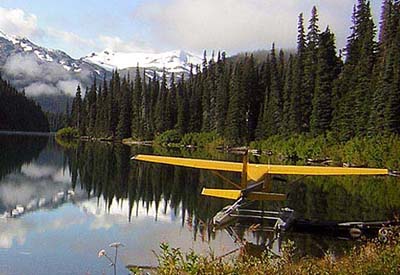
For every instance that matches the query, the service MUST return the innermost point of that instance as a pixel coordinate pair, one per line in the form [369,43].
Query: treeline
[18,113]
[314,90]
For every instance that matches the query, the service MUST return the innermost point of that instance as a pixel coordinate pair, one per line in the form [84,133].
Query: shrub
[204,139]
[168,137]
[67,133]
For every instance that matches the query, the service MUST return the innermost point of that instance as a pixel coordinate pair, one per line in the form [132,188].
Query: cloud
[29,66]
[70,38]
[42,78]
[68,86]
[116,44]
[237,25]
[17,22]
[38,88]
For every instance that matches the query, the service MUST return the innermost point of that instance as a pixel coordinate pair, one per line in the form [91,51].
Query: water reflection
[76,200]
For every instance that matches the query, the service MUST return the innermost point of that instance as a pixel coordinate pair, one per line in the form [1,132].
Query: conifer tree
[92,108]
[125,115]
[183,108]
[310,66]
[327,71]
[76,110]
[136,123]
[235,130]
[287,94]
[298,122]
[222,94]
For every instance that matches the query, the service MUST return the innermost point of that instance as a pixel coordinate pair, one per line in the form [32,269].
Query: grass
[372,257]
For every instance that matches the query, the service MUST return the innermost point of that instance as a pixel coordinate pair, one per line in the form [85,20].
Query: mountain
[48,76]
[51,77]
[177,62]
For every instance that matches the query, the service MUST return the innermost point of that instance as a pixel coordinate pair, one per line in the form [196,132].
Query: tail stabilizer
[222,193]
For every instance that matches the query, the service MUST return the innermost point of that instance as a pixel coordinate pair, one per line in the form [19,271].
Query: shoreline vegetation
[376,151]
[372,257]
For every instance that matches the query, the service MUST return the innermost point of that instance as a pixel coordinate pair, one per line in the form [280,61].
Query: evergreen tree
[298,121]
[222,94]
[327,71]
[287,94]
[125,115]
[310,66]
[183,108]
[76,110]
[137,121]
[235,130]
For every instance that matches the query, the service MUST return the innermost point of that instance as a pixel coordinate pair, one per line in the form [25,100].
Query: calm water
[67,203]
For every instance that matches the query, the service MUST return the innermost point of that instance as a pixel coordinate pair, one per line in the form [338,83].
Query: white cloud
[17,22]
[70,38]
[68,86]
[116,44]
[38,88]
[238,25]
[40,78]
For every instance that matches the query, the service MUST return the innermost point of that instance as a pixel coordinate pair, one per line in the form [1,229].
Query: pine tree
[327,71]
[298,122]
[287,94]
[252,95]
[183,108]
[235,130]
[171,104]
[137,122]
[353,90]
[125,115]
[222,94]
[76,109]
[310,66]
[265,85]
[92,109]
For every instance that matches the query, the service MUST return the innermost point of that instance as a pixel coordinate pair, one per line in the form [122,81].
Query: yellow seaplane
[256,179]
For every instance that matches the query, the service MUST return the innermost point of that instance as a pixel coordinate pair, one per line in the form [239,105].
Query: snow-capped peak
[173,61]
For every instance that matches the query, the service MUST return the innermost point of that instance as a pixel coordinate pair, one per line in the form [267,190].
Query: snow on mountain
[50,76]
[11,45]
[177,61]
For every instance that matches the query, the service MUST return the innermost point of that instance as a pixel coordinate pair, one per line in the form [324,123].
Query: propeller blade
[222,193]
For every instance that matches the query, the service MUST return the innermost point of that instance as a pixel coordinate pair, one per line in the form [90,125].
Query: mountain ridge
[51,76]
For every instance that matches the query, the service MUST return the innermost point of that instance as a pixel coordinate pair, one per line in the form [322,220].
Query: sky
[80,27]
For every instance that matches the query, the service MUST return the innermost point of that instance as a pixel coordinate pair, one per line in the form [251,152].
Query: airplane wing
[258,171]
[194,163]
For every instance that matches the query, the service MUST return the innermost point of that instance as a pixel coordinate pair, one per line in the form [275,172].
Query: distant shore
[23,133]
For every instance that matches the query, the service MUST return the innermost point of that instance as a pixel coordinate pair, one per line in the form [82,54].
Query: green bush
[67,133]
[204,139]
[169,137]
[377,151]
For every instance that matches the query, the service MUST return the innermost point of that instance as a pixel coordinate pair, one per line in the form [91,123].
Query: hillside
[18,113]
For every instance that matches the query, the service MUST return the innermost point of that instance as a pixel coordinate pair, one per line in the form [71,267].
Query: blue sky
[81,27]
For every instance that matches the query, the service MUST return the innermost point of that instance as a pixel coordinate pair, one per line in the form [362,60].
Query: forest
[314,90]
[18,113]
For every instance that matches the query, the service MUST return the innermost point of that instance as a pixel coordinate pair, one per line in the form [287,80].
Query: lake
[60,205]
